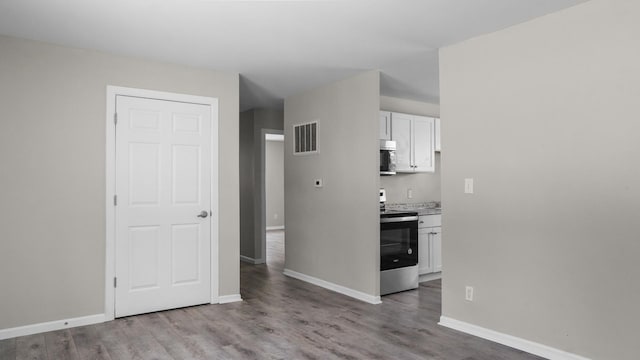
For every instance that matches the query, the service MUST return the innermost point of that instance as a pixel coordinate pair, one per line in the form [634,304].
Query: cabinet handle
[421,222]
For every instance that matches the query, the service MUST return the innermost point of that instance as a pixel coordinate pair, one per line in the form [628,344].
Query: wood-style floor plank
[145,346]
[31,347]
[280,318]
[60,345]
[8,349]
[175,343]
[88,342]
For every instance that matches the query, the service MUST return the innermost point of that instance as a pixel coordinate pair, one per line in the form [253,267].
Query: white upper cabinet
[423,145]
[437,138]
[385,125]
[414,137]
[401,125]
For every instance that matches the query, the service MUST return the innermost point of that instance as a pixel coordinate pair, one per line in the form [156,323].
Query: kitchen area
[410,207]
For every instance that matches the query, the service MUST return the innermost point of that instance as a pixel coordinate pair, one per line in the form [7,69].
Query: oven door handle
[398,219]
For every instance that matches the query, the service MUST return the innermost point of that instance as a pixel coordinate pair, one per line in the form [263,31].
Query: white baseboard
[224,299]
[334,287]
[280,227]
[50,326]
[509,340]
[429,277]
[250,260]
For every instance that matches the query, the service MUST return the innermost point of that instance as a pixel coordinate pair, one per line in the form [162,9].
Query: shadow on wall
[252,125]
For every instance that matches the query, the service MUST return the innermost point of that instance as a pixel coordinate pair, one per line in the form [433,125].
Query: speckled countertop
[426,208]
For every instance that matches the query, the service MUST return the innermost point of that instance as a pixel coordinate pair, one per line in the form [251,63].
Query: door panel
[143,251]
[185,245]
[185,172]
[144,174]
[163,182]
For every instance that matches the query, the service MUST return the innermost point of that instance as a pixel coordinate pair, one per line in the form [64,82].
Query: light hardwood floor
[280,318]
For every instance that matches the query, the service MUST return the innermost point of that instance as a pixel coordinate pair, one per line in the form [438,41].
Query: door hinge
[115,282]
[115,118]
[115,200]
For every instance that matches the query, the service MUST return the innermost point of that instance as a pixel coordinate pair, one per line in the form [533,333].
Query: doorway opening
[272,225]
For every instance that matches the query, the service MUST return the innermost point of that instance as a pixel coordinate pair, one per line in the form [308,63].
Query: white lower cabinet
[425,265]
[429,244]
[436,247]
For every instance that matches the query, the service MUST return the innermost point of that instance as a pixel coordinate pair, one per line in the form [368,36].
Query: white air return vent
[305,138]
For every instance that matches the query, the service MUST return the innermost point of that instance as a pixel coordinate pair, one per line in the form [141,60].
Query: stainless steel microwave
[387,157]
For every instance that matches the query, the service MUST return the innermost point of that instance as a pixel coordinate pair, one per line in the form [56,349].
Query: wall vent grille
[305,138]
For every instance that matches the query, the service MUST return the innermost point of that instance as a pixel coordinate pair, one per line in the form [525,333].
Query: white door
[163,187]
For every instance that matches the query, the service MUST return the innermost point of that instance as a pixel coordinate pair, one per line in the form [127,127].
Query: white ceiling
[278,47]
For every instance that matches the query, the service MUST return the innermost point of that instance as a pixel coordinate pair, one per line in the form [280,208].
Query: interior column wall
[544,117]
[333,232]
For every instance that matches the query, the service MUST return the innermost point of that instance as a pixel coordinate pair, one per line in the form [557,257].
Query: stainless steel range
[398,249]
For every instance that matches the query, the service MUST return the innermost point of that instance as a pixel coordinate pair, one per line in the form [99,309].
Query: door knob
[203,214]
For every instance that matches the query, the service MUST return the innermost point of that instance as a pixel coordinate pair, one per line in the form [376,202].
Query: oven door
[398,242]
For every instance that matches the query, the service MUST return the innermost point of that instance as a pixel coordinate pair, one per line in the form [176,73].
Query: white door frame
[263,192]
[112,92]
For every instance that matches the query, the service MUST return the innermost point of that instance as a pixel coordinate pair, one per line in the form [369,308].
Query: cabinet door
[437,134]
[401,133]
[385,125]
[425,265]
[436,248]
[423,138]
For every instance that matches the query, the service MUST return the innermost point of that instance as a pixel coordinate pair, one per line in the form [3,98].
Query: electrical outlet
[468,186]
[409,193]
[468,293]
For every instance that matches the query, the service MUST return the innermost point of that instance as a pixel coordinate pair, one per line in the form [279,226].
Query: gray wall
[252,122]
[274,183]
[333,231]
[544,116]
[247,183]
[52,153]
[425,186]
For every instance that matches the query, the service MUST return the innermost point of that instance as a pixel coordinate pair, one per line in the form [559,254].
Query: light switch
[409,193]
[468,186]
